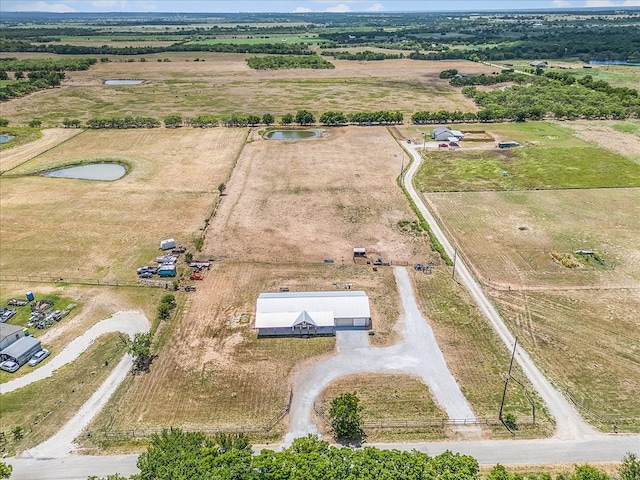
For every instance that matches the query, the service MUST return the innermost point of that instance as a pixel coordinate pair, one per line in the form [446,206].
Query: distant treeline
[288,61]
[46,64]
[65,49]
[366,55]
[42,73]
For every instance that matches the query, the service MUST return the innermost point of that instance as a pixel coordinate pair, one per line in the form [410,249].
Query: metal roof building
[21,350]
[9,334]
[311,313]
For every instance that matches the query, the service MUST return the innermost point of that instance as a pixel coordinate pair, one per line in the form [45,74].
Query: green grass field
[21,135]
[548,158]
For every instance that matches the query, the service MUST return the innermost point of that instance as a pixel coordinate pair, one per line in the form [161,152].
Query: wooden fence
[85,281]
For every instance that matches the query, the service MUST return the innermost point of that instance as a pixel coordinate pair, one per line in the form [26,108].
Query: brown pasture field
[103,230]
[316,199]
[224,84]
[212,370]
[588,314]
[486,227]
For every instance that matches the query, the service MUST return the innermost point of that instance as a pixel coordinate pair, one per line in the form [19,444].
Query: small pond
[290,134]
[5,138]
[91,171]
[123,82]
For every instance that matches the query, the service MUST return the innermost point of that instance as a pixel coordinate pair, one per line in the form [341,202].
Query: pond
[290,134]
[91,171]
[123,82]
[5,138]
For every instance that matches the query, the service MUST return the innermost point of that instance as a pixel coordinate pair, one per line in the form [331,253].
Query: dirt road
[569,425]
[416,354]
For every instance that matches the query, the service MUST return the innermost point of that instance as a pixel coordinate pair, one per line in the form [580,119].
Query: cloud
[376,7]
[561,3]
[43,7]
[600,3]
[302,10]
[340,8]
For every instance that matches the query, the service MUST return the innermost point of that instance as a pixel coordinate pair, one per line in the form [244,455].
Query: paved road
[569,425]
[129,322]
[416,354]
[607,448]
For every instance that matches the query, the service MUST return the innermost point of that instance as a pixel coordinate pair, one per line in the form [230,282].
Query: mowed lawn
[54,227]
[549,157]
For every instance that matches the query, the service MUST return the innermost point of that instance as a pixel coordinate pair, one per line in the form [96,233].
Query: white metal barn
[311,313]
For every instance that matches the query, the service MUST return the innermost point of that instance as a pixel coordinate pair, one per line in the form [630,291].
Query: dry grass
[476,357]
[42,408]
[77,228]
[598,332]
[209,355]
[388,398]
[223,84]
[315,199]
[486,228]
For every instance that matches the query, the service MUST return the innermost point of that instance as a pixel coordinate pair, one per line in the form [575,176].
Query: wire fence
[595,417]
[141,433]
[427,423]
[85,281]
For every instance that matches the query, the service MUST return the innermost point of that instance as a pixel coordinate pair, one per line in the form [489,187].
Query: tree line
[41,73]
[365,56]
[289,61]
[175,454]
[301,117]
[66,49]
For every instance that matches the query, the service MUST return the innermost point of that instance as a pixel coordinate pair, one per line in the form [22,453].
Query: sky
[300,6]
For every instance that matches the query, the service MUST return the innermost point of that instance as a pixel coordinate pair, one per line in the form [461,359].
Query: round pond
[123,82]
[91,171]
[290,134]
[5,138]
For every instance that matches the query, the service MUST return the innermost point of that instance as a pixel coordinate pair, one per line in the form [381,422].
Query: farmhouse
[540,64]
[9,334]
[444,134]
[21,350]
[311,313]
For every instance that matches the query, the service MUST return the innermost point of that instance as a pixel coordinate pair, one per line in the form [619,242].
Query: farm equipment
[195,276]
[189,288]
[16,302]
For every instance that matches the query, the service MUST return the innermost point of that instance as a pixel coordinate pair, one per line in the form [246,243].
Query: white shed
[167,244]
[311,313]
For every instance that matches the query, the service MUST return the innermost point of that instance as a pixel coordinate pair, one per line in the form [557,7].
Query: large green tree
[345,417]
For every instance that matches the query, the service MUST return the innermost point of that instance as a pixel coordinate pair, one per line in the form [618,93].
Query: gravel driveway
[61,444]
[416,354]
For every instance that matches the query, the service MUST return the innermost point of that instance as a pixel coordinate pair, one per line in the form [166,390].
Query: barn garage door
[359,322]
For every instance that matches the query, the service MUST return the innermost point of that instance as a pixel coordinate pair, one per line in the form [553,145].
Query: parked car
[146,275]
[454,144]
[443,145]
[195,276]
[38,357]
[142,269]
[9,366]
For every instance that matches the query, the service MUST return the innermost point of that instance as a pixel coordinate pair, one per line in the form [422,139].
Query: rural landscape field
[541,207]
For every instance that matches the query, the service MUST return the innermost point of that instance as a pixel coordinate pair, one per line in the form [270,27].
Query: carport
[21,350]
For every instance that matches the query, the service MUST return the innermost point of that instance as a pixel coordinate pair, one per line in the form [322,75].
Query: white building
[311,313]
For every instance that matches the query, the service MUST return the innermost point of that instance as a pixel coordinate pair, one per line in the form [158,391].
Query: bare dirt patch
[316,199]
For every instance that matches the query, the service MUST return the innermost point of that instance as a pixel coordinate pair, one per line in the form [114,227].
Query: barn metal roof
[7,329]
[20,346]
[284,309]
